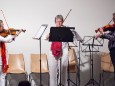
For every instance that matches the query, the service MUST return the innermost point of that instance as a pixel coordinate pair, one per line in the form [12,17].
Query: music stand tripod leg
[91,81]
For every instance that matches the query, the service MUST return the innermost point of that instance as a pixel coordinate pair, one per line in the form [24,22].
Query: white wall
[86,16]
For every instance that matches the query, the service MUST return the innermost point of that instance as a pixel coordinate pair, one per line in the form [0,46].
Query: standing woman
[111,37]
[54,58]
[59,50]
[3,54]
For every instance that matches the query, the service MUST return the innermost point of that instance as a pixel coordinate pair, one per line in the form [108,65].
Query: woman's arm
[7,39]
[108,36]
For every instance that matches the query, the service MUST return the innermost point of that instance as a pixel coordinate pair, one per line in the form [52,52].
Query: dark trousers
[112,55]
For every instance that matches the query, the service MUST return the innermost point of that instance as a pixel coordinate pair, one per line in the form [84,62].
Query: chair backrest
[106,64]
[16,63]
[35,63]
[72,60]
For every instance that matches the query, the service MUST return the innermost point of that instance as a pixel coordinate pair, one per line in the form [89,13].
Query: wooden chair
[106,65]
[16,70]
[35,70]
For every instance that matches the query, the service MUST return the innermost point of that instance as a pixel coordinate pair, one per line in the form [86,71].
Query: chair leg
[103,77]
[48,79]
[100,79]
[77,78]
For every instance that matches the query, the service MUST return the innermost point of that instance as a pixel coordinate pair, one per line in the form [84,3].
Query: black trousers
[112,55]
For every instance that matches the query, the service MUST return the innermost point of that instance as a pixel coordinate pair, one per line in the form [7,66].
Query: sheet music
[93,42]
[90,40]
[40,31]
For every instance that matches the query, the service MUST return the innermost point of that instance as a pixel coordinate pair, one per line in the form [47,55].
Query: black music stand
[91,44]
[80,40]
[61,34]
[38,37]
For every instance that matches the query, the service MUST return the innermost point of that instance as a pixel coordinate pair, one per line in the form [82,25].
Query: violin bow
[110,21]
[5,19]
[67,14]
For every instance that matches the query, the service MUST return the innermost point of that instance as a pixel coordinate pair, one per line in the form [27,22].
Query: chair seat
[72,63]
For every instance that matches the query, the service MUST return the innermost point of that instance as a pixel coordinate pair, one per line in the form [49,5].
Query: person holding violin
[111,37]
[59,50]
[54,59]
[3,53]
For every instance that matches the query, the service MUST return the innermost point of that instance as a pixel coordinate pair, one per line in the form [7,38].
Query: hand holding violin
[104,29]
[18,33]
[101,33]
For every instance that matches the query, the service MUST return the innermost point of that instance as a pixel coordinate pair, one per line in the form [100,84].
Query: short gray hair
[59,17]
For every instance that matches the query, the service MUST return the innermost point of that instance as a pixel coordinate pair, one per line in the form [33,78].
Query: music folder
[61,34]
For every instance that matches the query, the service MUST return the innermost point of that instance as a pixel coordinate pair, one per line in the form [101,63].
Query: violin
[10,31]
[107,28]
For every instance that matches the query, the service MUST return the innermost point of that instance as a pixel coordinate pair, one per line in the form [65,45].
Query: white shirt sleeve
[7,39]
